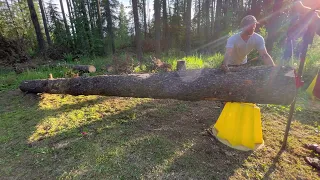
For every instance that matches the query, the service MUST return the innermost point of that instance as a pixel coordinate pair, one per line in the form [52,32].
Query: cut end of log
[92,69]
[84,68]
[181,65]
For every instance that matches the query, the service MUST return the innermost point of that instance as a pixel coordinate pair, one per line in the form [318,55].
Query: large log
[76,67]
[84,68]
[263,85]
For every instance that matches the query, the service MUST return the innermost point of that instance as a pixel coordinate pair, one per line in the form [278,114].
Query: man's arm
[267,60]
[301,8]
[227,59]
[227,56]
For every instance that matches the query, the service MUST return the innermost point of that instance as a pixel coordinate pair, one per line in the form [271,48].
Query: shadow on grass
[146,139]
[273,167]
[306,112]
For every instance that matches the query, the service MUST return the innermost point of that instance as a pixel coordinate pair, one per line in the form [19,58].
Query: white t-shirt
[241,48]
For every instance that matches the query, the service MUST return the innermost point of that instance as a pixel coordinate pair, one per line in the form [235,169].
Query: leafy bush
[68,57]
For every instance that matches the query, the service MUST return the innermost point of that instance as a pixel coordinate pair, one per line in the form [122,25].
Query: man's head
[248,24]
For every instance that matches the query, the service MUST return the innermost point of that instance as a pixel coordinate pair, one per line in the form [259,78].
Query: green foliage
[213,61]
[17,22]
[31,52]
[312,65]
[122,37]
[194,62]
[68,57]
[197,61]
[59,35]
[263,32]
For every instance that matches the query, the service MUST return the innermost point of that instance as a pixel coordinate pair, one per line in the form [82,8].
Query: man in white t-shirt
[241,44]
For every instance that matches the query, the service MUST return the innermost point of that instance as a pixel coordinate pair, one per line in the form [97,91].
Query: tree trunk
[36,25]
[169,39]
[184,10]
[263,85]
[137,29]
[165,25]
[75,10]
[225,17]
[75,67]
[45,22]
[99,19]
[253,6]
[157,27]
[273,25]
[65,21]
[181,65]
[256,8]
[84,68]
[86,25]
[90,15]
[199,18]
[217,23]
[188,27]
[145,18]
[236,13]
[212,18]
[207,20]
[71,20]
[109,25]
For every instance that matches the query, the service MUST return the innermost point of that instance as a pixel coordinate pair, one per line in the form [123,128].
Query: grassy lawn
[48,136]
[94,137]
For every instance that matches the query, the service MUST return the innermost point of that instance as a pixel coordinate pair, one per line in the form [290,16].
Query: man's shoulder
[234,37]
[257,37]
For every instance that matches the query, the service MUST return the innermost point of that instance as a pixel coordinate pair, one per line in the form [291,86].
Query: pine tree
[188,27]
[110,24]
[157,26]
[45,25]
[35,21]
[137,29]
[122,32]
[144,18]
[65,22]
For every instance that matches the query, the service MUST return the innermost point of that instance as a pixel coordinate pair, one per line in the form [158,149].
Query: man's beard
[249,33]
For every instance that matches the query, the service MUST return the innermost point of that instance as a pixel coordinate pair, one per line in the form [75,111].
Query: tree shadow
[273,167]
[302,114]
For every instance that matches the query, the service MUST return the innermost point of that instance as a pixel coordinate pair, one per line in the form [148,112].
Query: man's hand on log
[225,68]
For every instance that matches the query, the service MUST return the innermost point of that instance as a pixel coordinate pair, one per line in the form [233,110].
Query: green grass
[95,137]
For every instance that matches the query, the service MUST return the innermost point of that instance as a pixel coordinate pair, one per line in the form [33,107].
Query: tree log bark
[263,85]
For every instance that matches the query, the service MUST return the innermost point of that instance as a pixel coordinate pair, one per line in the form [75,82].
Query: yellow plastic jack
[311,87]
[239,126]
